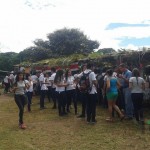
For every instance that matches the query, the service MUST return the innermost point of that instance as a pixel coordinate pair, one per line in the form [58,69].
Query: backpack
[85,83]
[101,81]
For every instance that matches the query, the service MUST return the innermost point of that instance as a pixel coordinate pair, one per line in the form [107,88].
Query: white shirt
[70,82]
[42,81]
[30,83]
[92,77]
[52,80]
[12,78]
[34,78]
[60,89]
[6,79]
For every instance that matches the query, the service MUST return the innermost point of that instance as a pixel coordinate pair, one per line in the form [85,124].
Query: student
[43,91]
[137,85]
[92,95]
[6,83]
[48,86]
[60,83]
[53,87]
[20,98]
[70,90]
[112,94]
[29,91]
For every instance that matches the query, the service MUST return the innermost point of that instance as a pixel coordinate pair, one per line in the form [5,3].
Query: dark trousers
[83,98]
[29,95]
[7,87]
[61,96]
[20,101]
[49,93]
[42,97]
[91,107]
[137,99]
[71,96]
[54,96]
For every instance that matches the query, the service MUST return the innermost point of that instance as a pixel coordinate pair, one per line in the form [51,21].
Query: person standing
[53,87]
[112,85]
[92,95]
[6,83]
[20,98]
[137,85]
[126,75]
[43,91]
[70,91]
[60,83]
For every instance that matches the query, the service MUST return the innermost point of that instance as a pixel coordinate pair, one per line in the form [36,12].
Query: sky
[114,23]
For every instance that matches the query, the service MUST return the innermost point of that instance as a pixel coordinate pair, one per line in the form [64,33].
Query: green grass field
[47,131]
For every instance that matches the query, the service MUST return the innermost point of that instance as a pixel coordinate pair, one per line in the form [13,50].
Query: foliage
[7,60]
[71,41]
[106,51]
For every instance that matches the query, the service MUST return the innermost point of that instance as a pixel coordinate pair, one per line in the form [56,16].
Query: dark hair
[109,72]
[59,75]
[136,73]
[53,69]
[123,65]
[89,66]
[17,77]
[66,74]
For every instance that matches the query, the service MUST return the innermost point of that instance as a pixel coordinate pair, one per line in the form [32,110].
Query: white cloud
[21,24]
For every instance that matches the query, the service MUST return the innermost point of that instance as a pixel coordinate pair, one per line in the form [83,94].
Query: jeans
[128,102]
[20,101]
[91,107]
[137,99]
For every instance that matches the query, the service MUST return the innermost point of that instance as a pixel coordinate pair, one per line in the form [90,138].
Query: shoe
[64,113]
[94,121]
[22,126]
[41,108]
[81,116]
[68,111]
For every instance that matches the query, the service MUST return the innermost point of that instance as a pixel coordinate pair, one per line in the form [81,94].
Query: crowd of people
[118,89]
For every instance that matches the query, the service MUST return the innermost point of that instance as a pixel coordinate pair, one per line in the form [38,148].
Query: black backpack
[100,80]
[85,83]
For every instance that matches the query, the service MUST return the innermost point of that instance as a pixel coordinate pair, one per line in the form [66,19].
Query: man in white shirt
[43,90]
[53,87]
[6,83]
[92,98]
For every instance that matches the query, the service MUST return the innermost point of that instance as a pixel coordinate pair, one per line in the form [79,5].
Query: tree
[106,51]
[34,53]
[7,60]
[70,41]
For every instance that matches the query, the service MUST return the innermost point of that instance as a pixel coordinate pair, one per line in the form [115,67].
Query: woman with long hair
[70,90]
[137,85]
[20,97]
[60,83]
[112,85]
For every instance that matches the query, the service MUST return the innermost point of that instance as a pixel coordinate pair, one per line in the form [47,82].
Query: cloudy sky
[114,23]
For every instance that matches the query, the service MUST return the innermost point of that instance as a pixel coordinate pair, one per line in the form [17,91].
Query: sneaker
[22,126]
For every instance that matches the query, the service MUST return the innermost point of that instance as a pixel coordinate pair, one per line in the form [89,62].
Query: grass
[47,131]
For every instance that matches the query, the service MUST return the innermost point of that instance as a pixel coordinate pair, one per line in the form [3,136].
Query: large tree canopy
[70,41]
[7,60]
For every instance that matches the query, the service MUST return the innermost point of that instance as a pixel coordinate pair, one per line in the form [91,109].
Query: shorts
[112,96]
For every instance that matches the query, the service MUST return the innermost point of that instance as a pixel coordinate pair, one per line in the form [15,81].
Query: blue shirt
[127,74]
[113,85]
